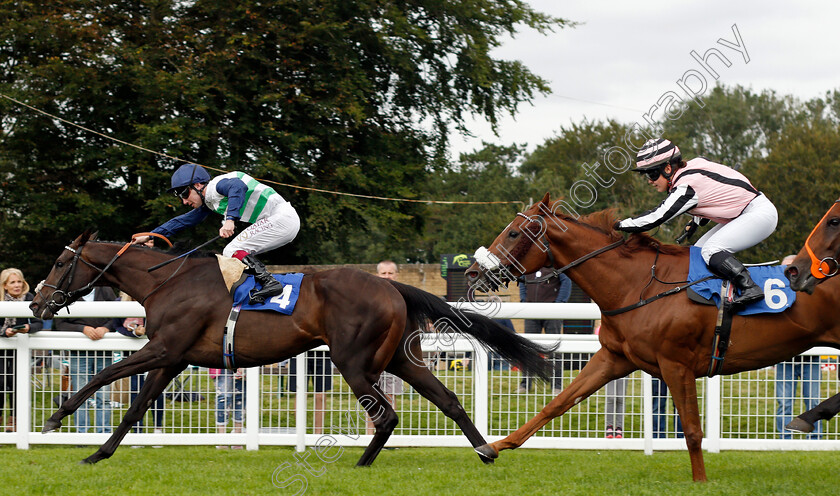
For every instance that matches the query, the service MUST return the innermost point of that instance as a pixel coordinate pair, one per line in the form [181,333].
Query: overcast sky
[624,57]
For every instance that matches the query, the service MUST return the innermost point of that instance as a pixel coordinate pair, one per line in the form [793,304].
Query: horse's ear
[546,199]
[88,235]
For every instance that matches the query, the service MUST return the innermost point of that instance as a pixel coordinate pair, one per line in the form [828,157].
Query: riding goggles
[182,192]
[653,174]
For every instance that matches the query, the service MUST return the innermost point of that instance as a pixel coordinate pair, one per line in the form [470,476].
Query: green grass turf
[203,470]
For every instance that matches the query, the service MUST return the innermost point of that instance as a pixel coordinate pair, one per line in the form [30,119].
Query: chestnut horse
[815,264]
[366,321]
[670,338]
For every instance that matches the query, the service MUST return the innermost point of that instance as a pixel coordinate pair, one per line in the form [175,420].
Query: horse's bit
[61,298]
[817,265]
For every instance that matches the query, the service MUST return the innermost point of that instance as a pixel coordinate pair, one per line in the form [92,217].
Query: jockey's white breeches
[277,227]
[756,222]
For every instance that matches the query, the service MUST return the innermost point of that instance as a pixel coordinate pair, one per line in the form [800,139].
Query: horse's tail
[423,307]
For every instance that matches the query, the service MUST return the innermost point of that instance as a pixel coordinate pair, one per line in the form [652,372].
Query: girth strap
[227,338]
[723,328]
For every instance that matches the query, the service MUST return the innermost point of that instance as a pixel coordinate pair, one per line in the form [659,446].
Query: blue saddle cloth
[283,303]
[778,297]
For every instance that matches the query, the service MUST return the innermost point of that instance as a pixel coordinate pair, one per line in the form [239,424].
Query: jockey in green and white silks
[238,197]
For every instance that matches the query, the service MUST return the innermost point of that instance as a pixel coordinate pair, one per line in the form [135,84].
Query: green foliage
[489,173]
[353,96]
[800,176]
[733,126]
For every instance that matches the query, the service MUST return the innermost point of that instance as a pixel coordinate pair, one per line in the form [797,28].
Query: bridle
[818,264]
[484,256]
[61,298]
[490,262]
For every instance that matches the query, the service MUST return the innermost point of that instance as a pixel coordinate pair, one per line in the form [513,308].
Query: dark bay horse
[367,322]
[670,338]
[815,263]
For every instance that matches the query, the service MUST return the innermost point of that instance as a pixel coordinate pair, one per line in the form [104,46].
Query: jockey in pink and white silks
[238,197]
[710,192]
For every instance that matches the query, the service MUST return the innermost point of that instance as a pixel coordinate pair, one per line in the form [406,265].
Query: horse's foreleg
[154,385]
[147,358]
[603,367]
[682,383]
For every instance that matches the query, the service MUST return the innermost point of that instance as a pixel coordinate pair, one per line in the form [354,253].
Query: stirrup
[258,296]
[746,298]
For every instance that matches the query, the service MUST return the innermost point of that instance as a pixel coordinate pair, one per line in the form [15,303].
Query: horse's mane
[603,221]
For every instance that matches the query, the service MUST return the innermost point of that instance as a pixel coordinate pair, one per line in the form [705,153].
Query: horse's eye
[513,234]
[834,222]
[59,264]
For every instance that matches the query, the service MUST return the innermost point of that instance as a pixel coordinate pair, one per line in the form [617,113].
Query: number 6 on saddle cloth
[778,296]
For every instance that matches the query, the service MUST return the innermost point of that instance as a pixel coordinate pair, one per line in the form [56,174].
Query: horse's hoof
[487,453]
[799,425]
[88,461]
[51,425]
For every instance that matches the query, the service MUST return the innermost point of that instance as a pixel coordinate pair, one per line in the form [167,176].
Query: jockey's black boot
[270,286]
[727,266]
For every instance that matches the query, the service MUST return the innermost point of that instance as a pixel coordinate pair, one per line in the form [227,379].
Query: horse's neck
[607,277]
[129,272]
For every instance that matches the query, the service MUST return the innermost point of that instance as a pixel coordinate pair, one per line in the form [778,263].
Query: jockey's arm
[681,200]
[235,190]
[189,219]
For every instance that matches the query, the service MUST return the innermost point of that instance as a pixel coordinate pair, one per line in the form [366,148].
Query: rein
[68,297]
[817,265]
[573,264]
[645,301]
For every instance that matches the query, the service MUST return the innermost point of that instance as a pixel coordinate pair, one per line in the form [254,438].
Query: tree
[799,176]
[354,96]
[488,173]
[733,126]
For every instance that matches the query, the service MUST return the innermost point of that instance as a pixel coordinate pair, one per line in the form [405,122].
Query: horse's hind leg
[411,369]
[152,388]
[377,407]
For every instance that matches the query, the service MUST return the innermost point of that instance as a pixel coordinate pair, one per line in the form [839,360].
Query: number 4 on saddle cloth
[283,303]
[240,286]
[778,297]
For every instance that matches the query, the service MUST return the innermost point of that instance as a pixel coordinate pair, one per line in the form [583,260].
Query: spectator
[13,287]
[230,398]
[614,407]
[388,385]
[319,368]
[556,289]
[135,327]
[660,411]
[806,368]
[83,365]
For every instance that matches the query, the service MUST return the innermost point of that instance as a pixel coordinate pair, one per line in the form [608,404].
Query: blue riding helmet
[189,174]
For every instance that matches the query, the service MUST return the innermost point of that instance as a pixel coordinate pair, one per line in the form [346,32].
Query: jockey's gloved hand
[689,231]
